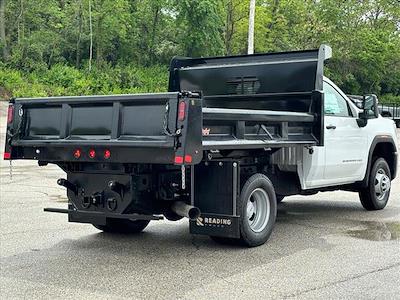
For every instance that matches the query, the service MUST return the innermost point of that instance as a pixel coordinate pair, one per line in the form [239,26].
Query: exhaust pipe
[184,210]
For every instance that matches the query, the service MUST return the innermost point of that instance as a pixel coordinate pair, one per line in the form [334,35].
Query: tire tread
[247,238]
[367,194]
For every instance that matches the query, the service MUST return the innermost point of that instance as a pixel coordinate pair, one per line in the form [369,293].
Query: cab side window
[335,104]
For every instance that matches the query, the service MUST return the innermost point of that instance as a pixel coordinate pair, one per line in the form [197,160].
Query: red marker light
[188,159]
[7,155]
[77,153]
[179,160]
[10,114]
[92,153]
[107,154]
[181,111]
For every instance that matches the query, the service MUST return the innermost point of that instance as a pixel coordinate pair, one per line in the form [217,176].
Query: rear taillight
[7,155]
[107,154]
[181,111]
[77,153]
[178,160]
[10,114]
[92,153]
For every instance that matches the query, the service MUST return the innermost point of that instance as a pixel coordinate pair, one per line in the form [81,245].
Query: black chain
[165,123]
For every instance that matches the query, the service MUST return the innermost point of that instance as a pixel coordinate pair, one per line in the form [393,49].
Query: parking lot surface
[323,246]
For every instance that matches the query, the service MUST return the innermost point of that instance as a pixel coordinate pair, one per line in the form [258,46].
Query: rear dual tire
[257,208]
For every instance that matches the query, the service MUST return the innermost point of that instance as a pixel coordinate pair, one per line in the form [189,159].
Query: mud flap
[216,225]
[214,191]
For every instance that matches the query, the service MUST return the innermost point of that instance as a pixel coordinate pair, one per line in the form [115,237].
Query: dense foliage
[58,47]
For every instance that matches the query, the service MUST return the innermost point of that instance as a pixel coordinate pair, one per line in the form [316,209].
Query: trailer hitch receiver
[116,187]
[68,185]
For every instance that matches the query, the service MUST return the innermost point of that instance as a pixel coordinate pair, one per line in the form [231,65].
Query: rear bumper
[63,153]
[98,218]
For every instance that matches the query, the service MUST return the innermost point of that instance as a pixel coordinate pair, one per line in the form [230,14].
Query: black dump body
[247,102]
[131,156]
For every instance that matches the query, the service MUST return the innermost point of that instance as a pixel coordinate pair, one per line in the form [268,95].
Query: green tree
[3,41]
[201,27]
[46,44]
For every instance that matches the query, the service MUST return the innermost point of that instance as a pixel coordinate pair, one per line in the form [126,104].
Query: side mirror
[370,110]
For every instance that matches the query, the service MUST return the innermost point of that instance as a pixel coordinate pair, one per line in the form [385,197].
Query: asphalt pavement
[323,247]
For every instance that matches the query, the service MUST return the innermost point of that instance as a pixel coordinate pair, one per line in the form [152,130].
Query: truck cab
[344,158]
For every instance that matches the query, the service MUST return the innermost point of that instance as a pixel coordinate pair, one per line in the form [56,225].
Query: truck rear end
[106,145]
[187,153]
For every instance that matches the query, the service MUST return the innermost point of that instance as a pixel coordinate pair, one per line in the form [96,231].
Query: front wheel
[123,226]
[376,195]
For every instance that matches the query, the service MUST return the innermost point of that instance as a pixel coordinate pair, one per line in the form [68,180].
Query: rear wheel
[123,226]
[257,208]
[398,124]
[376,195]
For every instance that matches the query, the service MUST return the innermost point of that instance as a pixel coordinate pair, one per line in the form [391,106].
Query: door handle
[331,127]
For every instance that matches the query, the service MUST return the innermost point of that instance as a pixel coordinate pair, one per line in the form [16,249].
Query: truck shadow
[165,254]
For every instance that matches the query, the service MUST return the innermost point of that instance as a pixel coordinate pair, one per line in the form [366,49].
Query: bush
[389,98]
[15,84]
[63,80]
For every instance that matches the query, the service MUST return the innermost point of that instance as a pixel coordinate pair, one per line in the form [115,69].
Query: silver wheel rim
[382,184]
[258,210]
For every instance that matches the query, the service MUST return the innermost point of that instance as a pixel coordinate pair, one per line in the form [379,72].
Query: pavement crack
[223,279]
[295,295]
